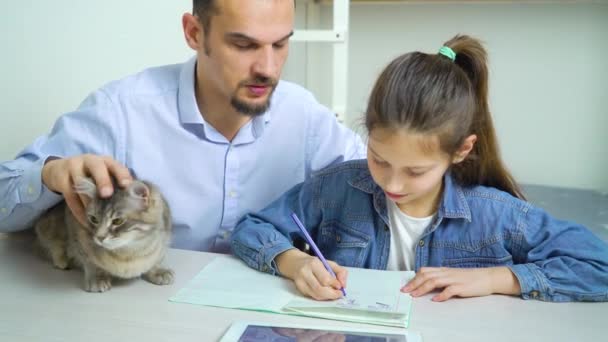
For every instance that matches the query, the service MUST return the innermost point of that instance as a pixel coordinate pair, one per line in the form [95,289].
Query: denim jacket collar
[453,203]
[365,183]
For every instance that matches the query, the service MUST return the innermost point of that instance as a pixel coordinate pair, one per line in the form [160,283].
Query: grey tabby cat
[126,236]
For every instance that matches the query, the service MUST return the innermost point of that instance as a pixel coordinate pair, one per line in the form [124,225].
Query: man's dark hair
[204,10]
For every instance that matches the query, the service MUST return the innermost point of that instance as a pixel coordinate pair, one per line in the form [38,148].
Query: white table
[39,303]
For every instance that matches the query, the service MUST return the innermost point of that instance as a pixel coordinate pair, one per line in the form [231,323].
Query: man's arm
[331,142]
[94,128]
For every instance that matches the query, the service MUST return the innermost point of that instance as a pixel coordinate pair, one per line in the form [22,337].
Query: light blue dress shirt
[151,123]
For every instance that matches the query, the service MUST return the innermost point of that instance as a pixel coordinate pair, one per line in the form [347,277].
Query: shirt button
[232,194]
[338,238]
[265,268]
[421,243]
[226,234]
[534,294]
[30,190]
[3,210]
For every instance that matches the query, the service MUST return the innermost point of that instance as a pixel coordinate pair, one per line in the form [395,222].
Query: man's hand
[310,276]
[463,282]
[60,175]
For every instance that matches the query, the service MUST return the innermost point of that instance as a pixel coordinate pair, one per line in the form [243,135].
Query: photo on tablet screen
[256,333]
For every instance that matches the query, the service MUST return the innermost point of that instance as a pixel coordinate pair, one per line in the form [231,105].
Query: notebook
[373,296]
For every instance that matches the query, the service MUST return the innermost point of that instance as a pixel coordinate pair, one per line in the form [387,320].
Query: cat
[126,236]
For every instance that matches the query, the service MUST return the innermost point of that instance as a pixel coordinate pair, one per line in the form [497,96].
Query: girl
[433,196]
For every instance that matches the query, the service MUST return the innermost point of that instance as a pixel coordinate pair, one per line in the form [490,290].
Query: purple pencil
[314,247]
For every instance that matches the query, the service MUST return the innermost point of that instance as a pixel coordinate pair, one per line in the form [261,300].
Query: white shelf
[338,36]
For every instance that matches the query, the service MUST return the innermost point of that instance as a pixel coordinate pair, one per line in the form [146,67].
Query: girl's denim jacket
[345,213]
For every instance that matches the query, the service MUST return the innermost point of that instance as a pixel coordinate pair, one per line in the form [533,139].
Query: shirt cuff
[531,281]
[32,190]
[261,259]
[270,264]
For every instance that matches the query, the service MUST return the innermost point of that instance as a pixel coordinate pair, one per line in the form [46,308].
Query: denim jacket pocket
[478,262]
[343,244]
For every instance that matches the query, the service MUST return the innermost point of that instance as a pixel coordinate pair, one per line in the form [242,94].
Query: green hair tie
[449,53]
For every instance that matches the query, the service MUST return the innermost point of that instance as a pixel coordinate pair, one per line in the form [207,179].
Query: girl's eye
[381,163]
[415,174]
[93,219]
[118,221]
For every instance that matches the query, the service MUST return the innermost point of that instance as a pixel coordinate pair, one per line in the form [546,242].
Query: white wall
[54,53]
[548,76]
[548,63]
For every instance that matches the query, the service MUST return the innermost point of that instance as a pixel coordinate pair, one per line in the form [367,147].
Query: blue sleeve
[330,142]
[93,128]
[259,237]
[559,261]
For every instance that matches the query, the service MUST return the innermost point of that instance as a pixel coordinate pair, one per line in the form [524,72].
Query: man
[219,135]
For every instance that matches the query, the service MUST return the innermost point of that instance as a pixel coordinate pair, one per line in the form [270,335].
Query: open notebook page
[372,296]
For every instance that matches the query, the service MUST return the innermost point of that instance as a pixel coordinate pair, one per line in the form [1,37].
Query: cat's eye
[93,219]
[118,221]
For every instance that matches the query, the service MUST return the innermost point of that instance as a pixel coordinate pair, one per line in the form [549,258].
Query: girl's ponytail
[484,165]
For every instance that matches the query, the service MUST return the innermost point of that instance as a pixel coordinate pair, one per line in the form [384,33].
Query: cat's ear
[140,192]
[86,186]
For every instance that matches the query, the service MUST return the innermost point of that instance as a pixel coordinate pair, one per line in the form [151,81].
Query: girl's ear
[465,149]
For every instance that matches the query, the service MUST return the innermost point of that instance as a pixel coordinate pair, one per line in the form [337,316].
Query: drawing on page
[348,303]
[380,307]
[352,303]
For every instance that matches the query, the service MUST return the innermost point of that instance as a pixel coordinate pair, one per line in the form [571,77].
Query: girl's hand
[463,282]
[310,276]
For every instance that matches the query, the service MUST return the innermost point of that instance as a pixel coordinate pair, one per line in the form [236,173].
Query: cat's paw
[61,263]
[159,276]
[98,284]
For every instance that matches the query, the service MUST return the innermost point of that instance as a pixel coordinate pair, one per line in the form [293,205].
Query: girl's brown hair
[431,94]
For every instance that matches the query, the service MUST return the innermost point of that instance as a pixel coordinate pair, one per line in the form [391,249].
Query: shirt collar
[187,106]
[189,112]
[453,203]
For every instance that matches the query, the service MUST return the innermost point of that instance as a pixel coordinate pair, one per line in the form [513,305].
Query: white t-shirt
[405,233]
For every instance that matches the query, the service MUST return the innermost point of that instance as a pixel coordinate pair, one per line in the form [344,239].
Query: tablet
[264,332]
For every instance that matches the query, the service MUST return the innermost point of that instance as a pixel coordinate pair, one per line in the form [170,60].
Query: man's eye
[244,46]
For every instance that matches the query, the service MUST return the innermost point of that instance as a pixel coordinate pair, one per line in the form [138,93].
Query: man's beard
[249,109]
